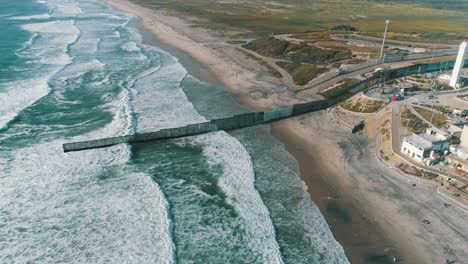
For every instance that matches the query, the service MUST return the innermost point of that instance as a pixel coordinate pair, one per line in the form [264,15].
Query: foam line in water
[19,95]
[76,208]
[33,17]
[57,27]
[238,182]
[50,53]
[66,209]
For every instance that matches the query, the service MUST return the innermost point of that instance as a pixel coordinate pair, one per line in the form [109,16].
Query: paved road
[447,98]
[399,42]
[395,126]
[395,138]
[400,207]
[338,78]
[287,78]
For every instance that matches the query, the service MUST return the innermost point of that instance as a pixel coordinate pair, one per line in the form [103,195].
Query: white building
[455,131]
[464,137]
[459,63]
[405,87]
[421,146]
[459,151]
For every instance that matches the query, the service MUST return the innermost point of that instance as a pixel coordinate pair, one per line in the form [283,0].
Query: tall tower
[457,69]
[384,37]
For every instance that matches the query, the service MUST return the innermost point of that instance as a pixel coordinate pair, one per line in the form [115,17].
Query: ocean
[77,70]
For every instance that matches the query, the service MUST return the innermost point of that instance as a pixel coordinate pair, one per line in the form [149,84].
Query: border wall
[254,118]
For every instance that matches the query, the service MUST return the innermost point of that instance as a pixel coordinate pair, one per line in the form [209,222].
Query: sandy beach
[375,213]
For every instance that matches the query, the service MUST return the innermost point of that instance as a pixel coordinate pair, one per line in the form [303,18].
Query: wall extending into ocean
[259,118]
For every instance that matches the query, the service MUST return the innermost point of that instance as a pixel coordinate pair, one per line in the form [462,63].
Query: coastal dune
[229,66]
[373,212]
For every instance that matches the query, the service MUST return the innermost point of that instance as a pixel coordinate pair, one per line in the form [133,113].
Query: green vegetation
[269,46]
[438,119]
[301,73]
[427,175]
[339,88]
[412,121]
[418,79]
[270,69]
[293,16]
[302,53]
[437,108]
[423,37]
[362,105]
[345,28]
[442,87]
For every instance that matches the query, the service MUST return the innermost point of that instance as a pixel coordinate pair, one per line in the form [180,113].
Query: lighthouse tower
[457,69]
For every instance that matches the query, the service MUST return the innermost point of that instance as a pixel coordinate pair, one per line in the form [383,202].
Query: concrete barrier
[252,119]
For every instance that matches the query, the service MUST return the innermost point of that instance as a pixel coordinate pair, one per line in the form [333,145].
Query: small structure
[405,88]
[459,151]
[459,112]
[464,137]
[358,127]
[419,50]
[457,69]
[457,162]
[455,131]
[425,145]
[443,78]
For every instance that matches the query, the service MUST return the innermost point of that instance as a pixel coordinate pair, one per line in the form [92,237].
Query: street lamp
[384,37]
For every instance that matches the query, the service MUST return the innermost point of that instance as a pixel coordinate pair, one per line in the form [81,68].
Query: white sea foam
[131,46]
[65,8]
[157,99]
[18,95]
[41,16]
[41,2]
[57,207]
[50,53]
[161,103]
[68,215]
[57,27]
[77,69]
[238,183]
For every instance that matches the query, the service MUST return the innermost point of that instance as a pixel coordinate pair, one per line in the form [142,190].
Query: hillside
[300,53]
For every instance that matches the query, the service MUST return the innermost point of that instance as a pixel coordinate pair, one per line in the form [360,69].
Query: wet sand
[363,243]
[373,226]
[362,240]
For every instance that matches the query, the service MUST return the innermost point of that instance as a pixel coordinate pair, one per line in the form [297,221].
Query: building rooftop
[454,129]
[434,132]
[431,138]
[405,85]
[419,141]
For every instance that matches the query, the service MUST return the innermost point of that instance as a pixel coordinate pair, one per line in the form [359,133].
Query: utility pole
[407,124]
[432,117]
[384,37]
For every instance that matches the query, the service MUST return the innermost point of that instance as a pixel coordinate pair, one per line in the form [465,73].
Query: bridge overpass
[259,118]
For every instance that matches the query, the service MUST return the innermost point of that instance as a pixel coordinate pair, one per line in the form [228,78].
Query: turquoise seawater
[78,70]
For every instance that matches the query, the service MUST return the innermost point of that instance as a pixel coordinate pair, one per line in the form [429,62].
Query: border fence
[259,118]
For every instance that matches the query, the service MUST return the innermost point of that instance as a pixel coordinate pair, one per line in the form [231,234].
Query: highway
[398,42]
[328,83]
[395,138]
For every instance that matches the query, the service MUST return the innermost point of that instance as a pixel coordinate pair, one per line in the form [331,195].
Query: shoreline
[345,220]
[230,67]
[383,224]
[363,250]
